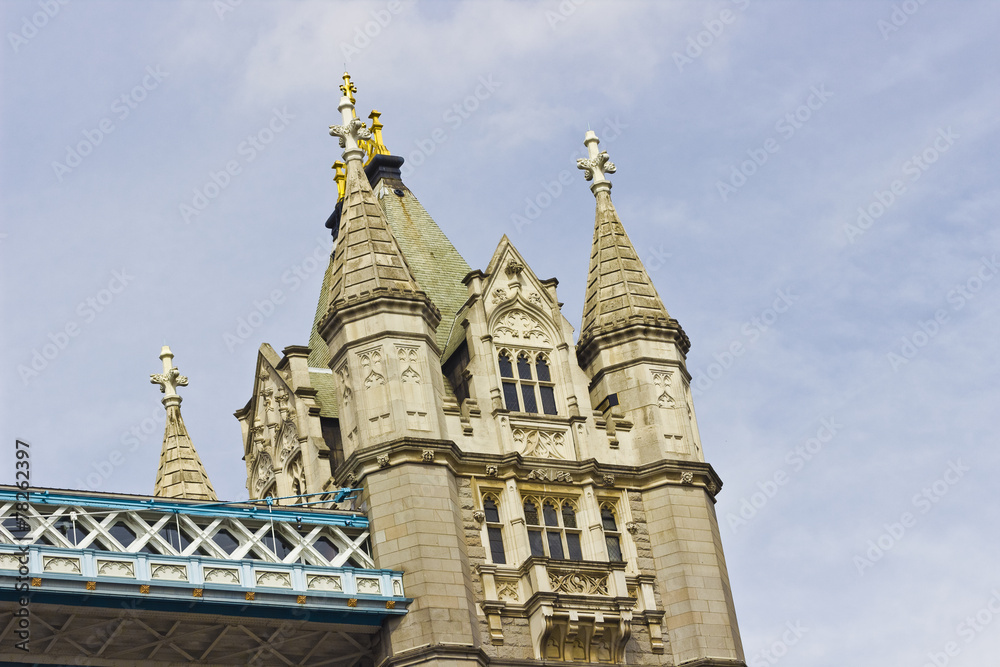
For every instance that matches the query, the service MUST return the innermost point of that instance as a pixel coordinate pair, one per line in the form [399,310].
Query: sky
[811,186]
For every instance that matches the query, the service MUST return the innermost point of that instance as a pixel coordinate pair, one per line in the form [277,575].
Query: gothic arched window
[554,533]
[612,535]
[533,380]
[494,532]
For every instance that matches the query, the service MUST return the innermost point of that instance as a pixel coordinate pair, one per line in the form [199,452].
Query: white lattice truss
[47,524]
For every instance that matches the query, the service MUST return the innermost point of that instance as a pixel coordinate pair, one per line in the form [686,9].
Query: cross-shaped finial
[353,131]
[170,378]
[597,164]
[348,89]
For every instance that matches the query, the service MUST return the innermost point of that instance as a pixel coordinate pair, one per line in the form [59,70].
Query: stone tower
[547,500]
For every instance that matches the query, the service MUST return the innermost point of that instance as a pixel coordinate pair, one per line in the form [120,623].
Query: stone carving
[541,444]
[492,471]
[222,575]
[353,128]
[514,267]
[687,477]
[479,516]
[397,587]
[345,384]
[368,586]
[608,480]
[284,406]
[289,442]
[324,582]
[507,590]
[427,455]
[351,480]
[499,295]
[535,299]
[383,461]
[578,583]
[518,325]
[551,476]
[632,527]
[712,488]
[115,568]
[169,572]
[600,163]
[371,368]
[274,579]
[60,564]
[408,360]
[264,472]
[662,381]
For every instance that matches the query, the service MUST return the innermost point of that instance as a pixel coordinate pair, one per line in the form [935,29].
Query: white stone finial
[597,164]
[353,129]
[170,378]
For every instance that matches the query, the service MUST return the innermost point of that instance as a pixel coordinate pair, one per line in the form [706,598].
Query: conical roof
[181,474]
[619,291]
[367,256]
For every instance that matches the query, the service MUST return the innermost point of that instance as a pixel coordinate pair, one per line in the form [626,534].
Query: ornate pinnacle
[170,378]
[375,146]
[348,88]
[598,164]
[340,177]
[353,131]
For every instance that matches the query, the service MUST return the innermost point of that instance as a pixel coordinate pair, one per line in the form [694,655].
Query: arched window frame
[612,531]
[492,532]
[523,387]
[553,539]
[296,473]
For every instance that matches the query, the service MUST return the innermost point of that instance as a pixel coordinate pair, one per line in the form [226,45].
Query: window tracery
[552,528]
[528,386]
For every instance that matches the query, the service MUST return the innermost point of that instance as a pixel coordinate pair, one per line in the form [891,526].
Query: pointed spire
[181,474]
[367,256]
[619,291]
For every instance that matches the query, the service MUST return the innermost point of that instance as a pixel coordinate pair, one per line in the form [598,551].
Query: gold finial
[348,89]
[340,176]
[375,146]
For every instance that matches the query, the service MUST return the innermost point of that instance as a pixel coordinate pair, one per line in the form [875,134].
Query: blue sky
[811,185]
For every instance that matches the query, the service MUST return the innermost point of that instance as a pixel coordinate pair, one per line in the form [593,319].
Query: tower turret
[630,347]
[181,474]
[380,325]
